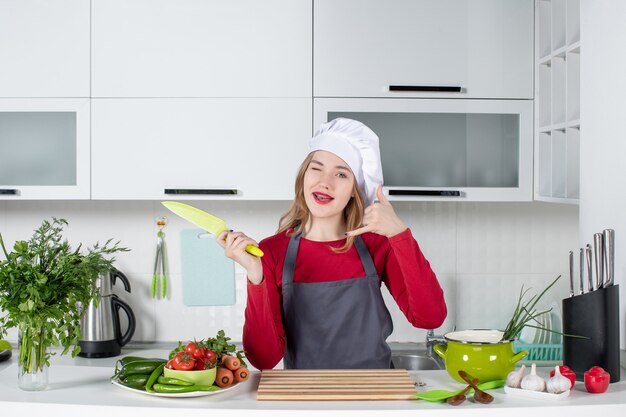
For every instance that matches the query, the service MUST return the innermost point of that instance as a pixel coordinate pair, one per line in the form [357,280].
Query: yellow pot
[480,353]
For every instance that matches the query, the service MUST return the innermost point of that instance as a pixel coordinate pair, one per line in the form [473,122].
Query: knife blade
[204,220]
[609,256]
[571,273]
[581,265]
[598,246]
[589,269]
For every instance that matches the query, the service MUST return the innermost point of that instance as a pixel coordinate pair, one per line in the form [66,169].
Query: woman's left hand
[380,218]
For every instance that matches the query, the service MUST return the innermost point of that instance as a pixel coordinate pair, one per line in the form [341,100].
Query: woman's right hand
[234,244]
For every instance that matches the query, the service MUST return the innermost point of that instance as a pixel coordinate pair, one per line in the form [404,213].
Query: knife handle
[589,269]
[609,256]
[598,246]
[571,273]
[581,288]
[254,250]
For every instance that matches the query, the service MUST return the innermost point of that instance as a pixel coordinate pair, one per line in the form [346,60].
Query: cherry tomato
[170,364]
[210,356]
[201,365]
[183,362]
[190,348]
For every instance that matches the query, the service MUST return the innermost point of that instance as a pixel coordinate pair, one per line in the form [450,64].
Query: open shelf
[557,101]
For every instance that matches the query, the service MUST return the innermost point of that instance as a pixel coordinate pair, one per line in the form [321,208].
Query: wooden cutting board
[341,385]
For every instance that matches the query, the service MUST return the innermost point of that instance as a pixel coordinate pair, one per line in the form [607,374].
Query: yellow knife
[206,221]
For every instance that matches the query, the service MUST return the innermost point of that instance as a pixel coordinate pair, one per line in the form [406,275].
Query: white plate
[179,395]
[524,393]
[538,332]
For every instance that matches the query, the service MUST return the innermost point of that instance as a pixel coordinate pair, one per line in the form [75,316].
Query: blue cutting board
[208,275]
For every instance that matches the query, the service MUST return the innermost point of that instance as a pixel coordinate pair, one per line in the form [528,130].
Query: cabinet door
[44,48]
[44,149]
[212,48]
[361,48]
[143,147]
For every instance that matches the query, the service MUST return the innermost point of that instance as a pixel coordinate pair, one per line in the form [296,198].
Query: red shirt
[398,260]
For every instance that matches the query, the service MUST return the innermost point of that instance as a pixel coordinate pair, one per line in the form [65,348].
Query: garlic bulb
[514,378]
[532,381]
[558,383]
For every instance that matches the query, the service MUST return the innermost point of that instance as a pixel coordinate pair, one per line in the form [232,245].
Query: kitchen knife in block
[204,220]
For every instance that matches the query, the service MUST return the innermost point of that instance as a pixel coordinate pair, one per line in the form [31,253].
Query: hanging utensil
[571,273]
[609,256]
[159,277]
[204,220]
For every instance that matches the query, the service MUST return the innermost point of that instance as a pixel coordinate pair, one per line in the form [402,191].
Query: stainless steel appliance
[102,336]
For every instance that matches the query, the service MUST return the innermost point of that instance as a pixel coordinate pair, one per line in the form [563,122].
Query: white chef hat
[357,145]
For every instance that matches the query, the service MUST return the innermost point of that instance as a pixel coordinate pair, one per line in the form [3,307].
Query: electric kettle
[100,322]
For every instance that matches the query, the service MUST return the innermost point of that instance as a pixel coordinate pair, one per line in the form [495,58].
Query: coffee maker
[100,323]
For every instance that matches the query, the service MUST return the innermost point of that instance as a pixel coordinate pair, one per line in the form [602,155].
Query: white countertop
[80,387]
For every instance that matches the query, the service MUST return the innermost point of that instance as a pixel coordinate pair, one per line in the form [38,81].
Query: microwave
[446,149]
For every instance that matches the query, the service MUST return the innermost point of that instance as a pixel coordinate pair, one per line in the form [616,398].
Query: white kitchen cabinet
[44,48]
[191,48]
[557,102]
[364,48]
[446,149]
[44,149]
[242,149]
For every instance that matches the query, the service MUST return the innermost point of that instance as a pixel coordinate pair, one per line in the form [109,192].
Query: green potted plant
[43,282]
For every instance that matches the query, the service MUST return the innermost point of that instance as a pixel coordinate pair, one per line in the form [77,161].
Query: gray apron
[335,324]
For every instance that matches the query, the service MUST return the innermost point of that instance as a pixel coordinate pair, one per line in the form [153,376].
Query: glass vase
[32,368]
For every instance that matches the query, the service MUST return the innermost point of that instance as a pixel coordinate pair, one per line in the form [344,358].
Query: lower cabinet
[223,148]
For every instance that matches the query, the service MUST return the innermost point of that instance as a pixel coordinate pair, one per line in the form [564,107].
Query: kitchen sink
[414,362]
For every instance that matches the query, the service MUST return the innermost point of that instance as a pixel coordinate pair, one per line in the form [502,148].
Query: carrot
[224,377]
[231,362]
[241,374]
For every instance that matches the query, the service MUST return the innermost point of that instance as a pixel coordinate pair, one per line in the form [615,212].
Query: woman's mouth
[321,198]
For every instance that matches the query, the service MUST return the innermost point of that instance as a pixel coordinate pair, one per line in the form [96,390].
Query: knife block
[595,315]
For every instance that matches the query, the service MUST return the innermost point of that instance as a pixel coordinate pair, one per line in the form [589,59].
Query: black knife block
[595,315]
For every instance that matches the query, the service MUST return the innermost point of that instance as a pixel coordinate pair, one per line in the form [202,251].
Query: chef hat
[357,145]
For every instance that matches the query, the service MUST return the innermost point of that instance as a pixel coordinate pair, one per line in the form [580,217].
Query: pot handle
[441,349]
[118,304]
[518,356]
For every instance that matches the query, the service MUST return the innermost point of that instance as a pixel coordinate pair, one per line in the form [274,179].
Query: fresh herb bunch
[41,282]
[525,313]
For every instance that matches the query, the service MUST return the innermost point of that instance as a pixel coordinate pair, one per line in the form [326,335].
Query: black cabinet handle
[427,88]
[201,191]
[437,193]
[8,191]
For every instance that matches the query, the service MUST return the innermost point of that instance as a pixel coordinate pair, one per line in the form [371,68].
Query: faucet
[431,341]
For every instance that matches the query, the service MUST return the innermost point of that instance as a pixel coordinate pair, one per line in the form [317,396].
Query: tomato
[183,362]
[191,348]
[201,365]
[210,356]
[170,364]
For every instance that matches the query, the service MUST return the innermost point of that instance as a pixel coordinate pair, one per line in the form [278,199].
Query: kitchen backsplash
[482,253]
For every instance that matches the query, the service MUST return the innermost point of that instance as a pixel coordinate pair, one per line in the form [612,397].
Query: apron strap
[290,258]
[366,258]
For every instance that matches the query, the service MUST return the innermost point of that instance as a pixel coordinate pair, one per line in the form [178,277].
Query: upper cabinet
[44,48]
[423,48]
[44,149]
[205,148]
[212,48]
[557,103]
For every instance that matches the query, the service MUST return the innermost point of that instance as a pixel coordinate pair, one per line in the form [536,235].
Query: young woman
[314,298]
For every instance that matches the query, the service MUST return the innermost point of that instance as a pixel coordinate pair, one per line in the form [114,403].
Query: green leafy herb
[42,283]
[525,313]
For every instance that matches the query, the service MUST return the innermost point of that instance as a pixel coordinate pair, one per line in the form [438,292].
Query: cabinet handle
[201,191]
[427,88]
[438,193]
[8,191]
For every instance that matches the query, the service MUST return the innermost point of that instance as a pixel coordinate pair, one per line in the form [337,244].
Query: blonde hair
[297,216]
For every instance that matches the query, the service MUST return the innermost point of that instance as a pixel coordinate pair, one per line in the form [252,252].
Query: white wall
[481,252]
[603,142]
